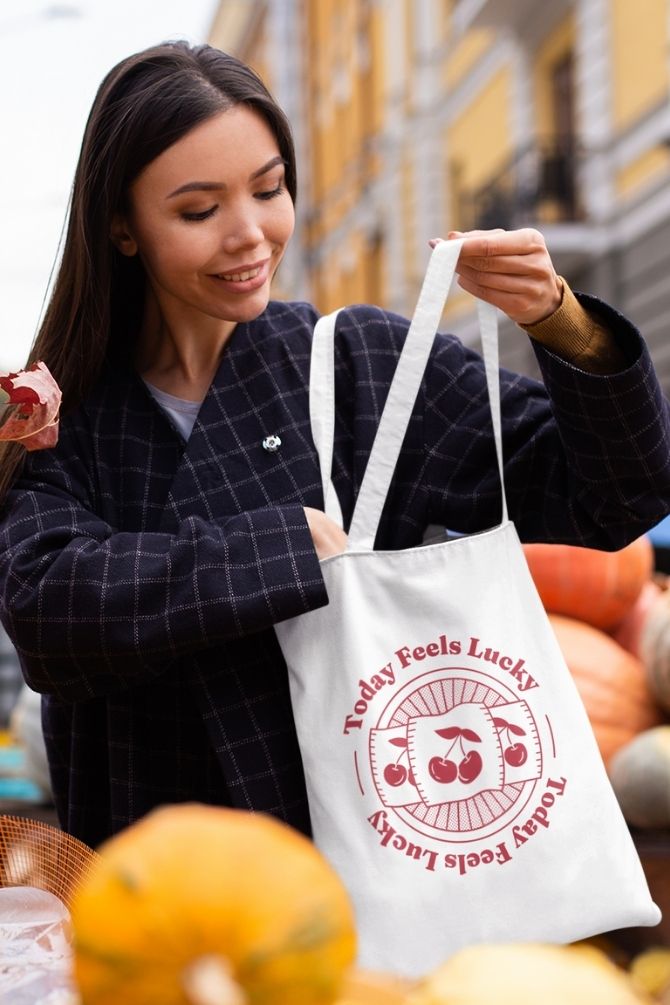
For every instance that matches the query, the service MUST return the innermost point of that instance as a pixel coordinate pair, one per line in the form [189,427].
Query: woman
[145,558]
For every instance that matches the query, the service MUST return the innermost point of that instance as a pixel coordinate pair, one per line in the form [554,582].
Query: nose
[241,228]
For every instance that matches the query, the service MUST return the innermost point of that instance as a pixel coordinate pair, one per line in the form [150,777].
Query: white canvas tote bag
[453,778]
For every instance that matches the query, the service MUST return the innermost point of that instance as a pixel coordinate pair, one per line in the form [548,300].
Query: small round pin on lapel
[272,443]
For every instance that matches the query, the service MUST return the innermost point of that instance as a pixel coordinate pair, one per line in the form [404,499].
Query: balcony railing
[537,186]
[510,15]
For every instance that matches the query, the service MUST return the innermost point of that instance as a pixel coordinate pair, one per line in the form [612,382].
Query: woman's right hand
[328,537]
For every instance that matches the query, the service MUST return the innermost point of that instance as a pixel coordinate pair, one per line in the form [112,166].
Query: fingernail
[434,241]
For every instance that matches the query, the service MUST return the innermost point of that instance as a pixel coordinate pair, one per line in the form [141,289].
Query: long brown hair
[145,104]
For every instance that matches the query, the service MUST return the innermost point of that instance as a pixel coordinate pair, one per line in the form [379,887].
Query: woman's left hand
[510,269]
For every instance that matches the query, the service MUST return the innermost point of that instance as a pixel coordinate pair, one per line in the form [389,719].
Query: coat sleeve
[586,457]
[91,610]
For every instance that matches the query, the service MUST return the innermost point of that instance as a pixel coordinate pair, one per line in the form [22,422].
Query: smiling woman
[209,249]
[146,558]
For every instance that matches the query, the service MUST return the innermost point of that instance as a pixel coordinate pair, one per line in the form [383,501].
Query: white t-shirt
[182,412]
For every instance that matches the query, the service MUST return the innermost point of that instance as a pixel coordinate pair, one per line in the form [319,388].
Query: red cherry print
[395,774]
[442,769]
[470,766]
[516,754]
[410,778]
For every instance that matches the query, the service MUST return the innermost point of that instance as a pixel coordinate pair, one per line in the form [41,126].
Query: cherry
[410,778]
[442,769]
[470,766]
[395,774]
[515,754]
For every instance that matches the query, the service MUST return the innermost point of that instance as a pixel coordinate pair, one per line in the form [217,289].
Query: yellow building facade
[415,117]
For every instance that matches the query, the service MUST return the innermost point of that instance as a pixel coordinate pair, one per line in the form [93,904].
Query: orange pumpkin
[598,587]
[197,904]
[612,684]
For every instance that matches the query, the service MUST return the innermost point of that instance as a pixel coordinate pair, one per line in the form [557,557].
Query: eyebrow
[214,186]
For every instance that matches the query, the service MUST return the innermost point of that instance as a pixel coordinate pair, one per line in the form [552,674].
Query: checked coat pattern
[140,576]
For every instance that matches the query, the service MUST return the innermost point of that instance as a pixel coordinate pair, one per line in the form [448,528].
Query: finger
[454,234]
[501,282]
[516,269]
[507,302]
[495,244]
[434,241]
[478,233]
[457,234]
[522,307]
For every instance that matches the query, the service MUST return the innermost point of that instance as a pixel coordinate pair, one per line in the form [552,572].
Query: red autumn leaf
[26,396]
[29,406]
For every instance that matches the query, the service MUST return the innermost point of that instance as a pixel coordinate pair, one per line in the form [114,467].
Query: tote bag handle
[401,397]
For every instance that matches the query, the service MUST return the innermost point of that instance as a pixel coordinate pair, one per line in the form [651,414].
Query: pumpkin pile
[527,973]
[200,905]
[611,617]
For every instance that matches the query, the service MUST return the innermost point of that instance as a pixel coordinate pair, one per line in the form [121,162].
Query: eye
[270,193]
[203,215]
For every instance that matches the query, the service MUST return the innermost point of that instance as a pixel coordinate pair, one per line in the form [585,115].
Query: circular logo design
[455,754]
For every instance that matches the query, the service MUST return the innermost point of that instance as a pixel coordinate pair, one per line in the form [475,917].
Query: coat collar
[260,389]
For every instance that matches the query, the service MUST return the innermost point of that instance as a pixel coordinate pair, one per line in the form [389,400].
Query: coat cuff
[287,571]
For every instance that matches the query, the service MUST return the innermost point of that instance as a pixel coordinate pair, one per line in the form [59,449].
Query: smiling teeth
[239,277]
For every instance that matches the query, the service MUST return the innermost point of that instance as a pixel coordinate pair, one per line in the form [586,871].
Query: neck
[178,355]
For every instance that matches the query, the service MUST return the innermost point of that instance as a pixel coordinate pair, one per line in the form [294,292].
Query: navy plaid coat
[140,576]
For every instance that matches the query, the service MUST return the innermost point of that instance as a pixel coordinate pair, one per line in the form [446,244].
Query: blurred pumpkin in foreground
[196,905]
[363,987]
[525,974]
[650,971]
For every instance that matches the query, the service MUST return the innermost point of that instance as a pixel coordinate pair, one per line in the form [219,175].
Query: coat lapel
[260,390]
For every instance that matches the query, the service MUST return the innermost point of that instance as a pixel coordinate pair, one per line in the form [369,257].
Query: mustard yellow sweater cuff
[577,337]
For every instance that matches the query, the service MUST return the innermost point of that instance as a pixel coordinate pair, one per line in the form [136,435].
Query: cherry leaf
[398,741]
[517,730]
[469,734]
[500,723]
[450,733]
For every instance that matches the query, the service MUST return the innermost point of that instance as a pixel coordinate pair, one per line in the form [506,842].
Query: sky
[53,56]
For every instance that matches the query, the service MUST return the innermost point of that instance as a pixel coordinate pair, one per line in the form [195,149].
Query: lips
[239,277]
[245,278]
[243,273]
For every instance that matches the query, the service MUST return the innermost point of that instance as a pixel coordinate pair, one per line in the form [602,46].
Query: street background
[53,56]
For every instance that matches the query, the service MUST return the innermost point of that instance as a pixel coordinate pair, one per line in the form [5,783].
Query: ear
[121,237]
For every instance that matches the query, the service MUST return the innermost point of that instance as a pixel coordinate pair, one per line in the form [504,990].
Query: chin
[249,308]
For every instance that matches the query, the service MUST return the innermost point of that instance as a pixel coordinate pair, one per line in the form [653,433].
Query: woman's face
[210,218]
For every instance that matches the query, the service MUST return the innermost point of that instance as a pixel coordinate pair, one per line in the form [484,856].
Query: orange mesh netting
[35,854]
